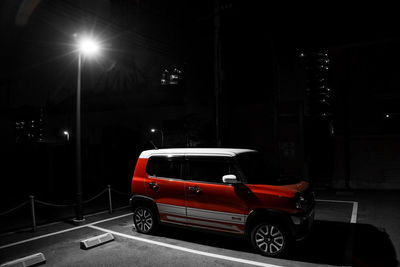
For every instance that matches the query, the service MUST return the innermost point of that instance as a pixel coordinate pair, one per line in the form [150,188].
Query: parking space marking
[63,231]
[334,200]
[354,212]
[208,254]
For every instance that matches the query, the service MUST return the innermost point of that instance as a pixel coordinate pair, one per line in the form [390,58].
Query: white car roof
[195,151]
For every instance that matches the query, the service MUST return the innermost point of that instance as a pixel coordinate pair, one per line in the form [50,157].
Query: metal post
[346,140]
[32,202]
[79,218]
[162,139]
[109,199]
[217,73]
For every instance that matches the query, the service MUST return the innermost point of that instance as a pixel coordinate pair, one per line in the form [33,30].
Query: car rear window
[163,166]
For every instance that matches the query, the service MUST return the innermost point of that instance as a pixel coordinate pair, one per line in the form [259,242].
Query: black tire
[271,239]
[145,220]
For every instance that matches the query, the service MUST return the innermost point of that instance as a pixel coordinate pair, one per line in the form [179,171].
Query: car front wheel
[270,239]
[144,220]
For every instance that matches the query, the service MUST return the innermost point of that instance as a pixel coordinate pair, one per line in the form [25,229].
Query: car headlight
[300,201]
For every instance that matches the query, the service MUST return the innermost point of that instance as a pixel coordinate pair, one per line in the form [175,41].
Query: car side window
[208,169]
[163,166]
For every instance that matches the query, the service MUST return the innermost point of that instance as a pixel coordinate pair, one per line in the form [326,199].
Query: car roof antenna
[153,144]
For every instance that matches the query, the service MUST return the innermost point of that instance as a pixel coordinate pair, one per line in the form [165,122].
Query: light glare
[88,46]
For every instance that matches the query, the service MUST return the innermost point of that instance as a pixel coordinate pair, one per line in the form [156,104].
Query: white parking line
[354,212]
[333,200]
[63,231]
[212,255]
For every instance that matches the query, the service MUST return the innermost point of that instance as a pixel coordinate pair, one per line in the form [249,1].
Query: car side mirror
[230,179]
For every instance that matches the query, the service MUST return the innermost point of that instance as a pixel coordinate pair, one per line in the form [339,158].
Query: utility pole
[276,99]
[346,140]
[217,72]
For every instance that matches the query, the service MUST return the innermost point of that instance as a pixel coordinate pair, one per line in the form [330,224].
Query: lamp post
[86,47]
[162,135]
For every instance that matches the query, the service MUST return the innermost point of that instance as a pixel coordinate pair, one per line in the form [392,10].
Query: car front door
[210,203]
[165,186]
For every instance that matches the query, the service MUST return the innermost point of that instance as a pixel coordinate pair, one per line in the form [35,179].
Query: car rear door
[210,203]
[165,186]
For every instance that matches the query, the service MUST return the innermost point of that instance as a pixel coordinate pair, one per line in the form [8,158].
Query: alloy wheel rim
[269,239]
[143,219]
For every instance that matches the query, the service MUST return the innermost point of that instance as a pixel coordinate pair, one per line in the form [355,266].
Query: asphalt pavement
[343,229]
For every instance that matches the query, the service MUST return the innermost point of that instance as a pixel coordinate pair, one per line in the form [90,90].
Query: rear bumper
[303,224]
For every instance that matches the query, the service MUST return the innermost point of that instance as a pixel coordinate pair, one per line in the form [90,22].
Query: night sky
[263,78]
[39,51]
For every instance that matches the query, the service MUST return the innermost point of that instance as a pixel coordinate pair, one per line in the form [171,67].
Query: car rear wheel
[270,239]
[144,220]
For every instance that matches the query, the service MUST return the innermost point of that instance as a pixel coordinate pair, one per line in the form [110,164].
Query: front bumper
[303,224]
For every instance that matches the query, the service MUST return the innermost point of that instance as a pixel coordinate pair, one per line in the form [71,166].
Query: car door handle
[153,185]
[195,189]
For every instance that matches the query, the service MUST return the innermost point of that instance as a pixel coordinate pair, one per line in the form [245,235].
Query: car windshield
[258,171]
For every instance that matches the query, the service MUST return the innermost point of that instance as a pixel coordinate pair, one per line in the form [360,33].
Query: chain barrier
[32,201]
[69,205]
[96,196]
[11,210]
[119,192]
[54,205]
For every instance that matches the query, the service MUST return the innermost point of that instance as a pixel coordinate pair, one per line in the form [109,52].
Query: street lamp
[86,46]
[162,135]
[66,133]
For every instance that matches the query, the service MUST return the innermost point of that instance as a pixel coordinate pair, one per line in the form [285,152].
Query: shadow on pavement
[334,243]
[339,243]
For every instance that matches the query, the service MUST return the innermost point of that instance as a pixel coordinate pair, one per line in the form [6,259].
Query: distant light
[66,133]
[88,46]
[387,115]
[302,55]
[153,130]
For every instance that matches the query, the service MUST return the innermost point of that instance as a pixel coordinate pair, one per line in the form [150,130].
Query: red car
[224,190]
